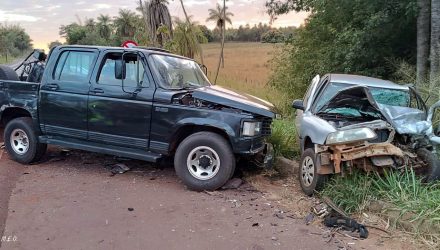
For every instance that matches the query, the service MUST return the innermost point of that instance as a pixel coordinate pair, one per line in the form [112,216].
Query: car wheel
[204,161]
[432,173]
[309,179]
[21,141]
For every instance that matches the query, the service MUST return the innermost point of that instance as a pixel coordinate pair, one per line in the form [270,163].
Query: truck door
[120,106]
[64,93]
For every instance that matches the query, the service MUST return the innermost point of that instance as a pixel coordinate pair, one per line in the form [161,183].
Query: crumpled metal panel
[406,120]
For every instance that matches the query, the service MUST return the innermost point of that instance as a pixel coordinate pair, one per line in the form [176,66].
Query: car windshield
[392,97]
[179,73]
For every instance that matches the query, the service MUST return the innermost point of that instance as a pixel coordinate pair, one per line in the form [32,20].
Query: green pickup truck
[139,103]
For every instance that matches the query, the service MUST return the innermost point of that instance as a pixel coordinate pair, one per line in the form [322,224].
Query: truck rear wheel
[7,73]
[204,161]
[21,141]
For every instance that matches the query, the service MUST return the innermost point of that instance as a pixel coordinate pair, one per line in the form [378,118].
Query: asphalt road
[71,201]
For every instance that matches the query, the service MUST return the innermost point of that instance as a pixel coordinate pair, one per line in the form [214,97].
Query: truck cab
[139,103]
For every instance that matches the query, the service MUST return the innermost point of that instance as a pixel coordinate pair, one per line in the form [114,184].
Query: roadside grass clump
[283,138]
[415,201]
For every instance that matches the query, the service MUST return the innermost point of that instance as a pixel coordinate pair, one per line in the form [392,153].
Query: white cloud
[9,17]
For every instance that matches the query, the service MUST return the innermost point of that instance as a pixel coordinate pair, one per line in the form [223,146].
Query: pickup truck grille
[266,127]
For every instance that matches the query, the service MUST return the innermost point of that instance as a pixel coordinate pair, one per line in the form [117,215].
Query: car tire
[7,73]
[21,141]
[433,171]
[204,161]
[309,179]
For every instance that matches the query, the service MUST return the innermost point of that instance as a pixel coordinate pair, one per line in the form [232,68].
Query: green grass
[405,191]
[284,138]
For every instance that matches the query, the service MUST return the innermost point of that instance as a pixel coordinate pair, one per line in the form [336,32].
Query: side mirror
[204,69]
[119,69]
[298,104]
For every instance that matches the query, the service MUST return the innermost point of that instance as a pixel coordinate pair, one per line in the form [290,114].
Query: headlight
[351,135]
[251,128]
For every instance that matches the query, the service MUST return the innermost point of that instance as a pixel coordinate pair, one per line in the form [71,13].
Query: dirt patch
[72,199]
[287,193]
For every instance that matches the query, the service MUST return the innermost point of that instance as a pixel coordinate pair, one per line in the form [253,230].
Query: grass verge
[405,191]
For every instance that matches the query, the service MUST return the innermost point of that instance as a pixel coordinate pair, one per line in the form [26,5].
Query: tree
[14,41]
[273,36]
[104,26]
[221,17]
[187,38]
[54,44]
[435,42]
[125,23]
[423,38]
[356,37]
[207,33]
[157,14]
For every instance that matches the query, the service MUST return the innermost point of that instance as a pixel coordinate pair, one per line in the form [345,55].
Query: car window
[134,71]
[74,66]
[328,93]
[314,82]
[392,97]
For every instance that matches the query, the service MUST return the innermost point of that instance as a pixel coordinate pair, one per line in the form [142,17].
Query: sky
[42,18]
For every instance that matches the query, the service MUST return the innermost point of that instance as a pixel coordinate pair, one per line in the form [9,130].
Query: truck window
[74,66]
[134,70]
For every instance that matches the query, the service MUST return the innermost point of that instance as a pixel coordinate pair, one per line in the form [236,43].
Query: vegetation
[403,190]
[187,37]
[158,20]
[14,41]
[359,37]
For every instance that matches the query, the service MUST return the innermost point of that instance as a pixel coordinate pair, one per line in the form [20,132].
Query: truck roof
[365,81]
[148,50]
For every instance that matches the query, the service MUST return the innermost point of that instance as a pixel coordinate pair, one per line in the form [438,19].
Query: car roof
[365,81]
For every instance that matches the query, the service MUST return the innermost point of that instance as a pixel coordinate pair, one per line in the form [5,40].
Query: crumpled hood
[405,120]
[235,99]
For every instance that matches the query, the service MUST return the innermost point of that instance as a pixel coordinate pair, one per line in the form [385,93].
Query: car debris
[119,168]
[347,122]
[347,224]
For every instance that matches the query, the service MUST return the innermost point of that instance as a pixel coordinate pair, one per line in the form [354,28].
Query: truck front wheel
[21,141]
[204,161]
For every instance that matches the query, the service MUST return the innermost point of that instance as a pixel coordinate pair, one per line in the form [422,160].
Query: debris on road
[309,218]
[130,209]
[119,168]
[348,224]
[233,183]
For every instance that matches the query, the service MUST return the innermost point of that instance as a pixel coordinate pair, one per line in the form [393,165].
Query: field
[246,67]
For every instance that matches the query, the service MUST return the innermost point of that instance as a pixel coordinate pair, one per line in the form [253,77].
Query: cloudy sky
[42,18]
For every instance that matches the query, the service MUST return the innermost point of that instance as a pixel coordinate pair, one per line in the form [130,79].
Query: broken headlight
[251,128]
[351,135]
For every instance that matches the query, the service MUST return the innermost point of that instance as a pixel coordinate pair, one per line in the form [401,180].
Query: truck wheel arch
[12,113]
[308,143]
[187,130]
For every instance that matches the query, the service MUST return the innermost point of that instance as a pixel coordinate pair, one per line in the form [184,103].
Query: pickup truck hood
[235,99]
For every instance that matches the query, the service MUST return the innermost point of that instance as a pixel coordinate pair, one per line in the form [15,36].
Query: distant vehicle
[139,103]
[348,121]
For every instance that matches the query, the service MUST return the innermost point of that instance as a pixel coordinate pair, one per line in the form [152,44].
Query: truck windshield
[179,73]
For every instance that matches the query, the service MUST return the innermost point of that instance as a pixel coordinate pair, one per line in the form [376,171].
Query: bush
[283,138]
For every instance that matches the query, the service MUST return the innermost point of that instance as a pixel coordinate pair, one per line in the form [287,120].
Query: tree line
[14,41]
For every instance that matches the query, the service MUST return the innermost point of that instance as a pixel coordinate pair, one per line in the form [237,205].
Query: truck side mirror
[119,69]
[298,104]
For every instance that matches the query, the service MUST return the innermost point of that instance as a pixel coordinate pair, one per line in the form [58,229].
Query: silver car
[349,121]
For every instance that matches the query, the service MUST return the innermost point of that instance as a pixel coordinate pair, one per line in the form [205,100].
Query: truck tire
[433,172]
[204,161]
[308,175]
[7,73]
[21,141]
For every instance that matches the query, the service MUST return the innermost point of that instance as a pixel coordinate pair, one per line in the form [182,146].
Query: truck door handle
[97,91]
[53,86]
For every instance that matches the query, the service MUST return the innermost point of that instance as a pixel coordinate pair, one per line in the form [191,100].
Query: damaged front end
[373,136]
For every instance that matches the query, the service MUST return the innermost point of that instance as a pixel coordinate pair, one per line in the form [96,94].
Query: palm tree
[221,17]
[125,23]
[104,26]
[157,16]
[89,23]
[187,37]
[195,33]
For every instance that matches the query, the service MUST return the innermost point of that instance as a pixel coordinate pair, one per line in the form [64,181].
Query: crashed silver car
[348,121]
